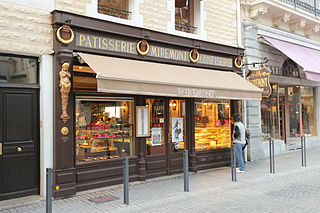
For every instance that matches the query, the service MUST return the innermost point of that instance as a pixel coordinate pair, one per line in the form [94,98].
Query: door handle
[0,148]
[19,149]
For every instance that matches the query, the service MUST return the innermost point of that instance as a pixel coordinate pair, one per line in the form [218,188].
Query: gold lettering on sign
[88,42]
[111,44]
[261,79]
[82,38]
[130,47]
[104,43]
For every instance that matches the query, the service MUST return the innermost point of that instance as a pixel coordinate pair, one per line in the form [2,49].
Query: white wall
[46,118]
[39,4]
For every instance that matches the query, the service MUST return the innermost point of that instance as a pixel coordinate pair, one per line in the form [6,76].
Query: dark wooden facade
[70,177]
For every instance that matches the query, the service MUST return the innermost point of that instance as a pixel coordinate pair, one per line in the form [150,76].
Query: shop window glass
[293,107]
[16,69]
[104,129]
[116,8]
[212,125]
[270,116]
[308,116]
[184,15]
[177,129]
[156,141]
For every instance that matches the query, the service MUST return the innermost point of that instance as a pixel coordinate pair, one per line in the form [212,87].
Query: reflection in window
[308,116]
[18,69]
[293,103]
[184,16]
[269,115]
[212,125]
[156,142]
[116,8]
[104,129]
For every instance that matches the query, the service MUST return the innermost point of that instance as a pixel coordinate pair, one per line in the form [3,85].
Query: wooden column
[141,146]
[64,178]
[191,127]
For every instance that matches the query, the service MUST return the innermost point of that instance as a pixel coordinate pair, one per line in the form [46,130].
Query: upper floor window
[184,16]
[116,8]
[290,68]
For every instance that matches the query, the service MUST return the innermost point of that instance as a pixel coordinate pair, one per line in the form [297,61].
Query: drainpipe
[243,69]
[239,39]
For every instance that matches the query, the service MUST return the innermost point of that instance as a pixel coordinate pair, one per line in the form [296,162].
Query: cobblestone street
[291,189]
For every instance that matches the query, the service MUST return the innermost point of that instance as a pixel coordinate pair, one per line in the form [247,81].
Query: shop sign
[143,48]
[203,93]
[261,78]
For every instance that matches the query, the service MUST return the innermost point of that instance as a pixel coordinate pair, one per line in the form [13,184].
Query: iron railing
[111,11]
[310,8]
[185,28]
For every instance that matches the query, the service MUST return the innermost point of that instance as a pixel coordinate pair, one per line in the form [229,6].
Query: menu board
[142,122]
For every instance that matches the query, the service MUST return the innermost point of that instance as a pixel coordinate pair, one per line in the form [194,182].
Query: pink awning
[306,57]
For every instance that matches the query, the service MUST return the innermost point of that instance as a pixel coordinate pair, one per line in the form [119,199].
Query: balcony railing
[111,11]
[310,7]
[185,28]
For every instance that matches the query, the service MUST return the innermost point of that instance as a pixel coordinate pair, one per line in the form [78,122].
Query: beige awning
[117,75]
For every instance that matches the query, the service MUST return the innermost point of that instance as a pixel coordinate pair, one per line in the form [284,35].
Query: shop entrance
[19,143]
[164,147]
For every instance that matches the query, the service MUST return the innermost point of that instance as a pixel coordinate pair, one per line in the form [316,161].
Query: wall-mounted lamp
[173,105]
[124,107]
[147,36]
[147,104]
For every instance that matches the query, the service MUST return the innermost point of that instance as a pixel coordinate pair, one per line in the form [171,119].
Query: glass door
[156,143]
[177,125]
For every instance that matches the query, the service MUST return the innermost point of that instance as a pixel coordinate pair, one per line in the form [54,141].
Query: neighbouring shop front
[123,91]
[290,80]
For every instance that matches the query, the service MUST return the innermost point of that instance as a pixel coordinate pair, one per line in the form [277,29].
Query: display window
[280,113]
[156,142]
[104,129]
[177,128]
[212,124]
[307,108]
[270,116]
[293,111]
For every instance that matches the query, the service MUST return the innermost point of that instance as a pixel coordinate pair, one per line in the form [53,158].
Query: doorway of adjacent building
[19,142]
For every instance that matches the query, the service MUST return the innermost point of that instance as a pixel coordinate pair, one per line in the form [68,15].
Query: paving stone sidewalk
[292,188]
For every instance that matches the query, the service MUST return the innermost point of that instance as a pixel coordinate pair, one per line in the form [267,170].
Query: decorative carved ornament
[66,36]
[309,30]
[143,47]
[65,85]
[194,55]
[238,62]
[297,25]
[64,130]
[279,20]
[256,12]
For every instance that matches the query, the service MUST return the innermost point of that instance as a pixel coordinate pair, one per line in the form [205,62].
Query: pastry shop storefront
[123,91]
